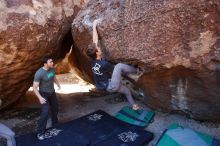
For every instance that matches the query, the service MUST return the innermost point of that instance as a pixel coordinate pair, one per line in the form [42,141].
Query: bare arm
[41,99]
[95,35]
[56,82]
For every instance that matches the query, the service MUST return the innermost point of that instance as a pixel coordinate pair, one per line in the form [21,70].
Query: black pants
[52,104]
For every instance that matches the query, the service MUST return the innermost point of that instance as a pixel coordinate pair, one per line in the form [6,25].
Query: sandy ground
[75,101]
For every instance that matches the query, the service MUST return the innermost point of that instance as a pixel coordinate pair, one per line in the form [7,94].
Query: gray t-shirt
[45,79]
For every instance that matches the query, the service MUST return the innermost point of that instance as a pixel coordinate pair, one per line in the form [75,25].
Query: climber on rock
[102,70]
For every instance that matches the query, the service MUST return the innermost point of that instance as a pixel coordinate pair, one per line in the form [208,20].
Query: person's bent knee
[119,65]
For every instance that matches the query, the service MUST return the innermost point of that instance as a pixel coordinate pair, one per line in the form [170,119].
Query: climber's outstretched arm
[95,37]
[95,34]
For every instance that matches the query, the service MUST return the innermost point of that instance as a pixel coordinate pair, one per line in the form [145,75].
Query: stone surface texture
[30,30]
[175,42]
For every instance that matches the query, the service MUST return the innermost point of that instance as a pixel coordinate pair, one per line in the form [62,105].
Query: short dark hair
[91,51]
[45,59]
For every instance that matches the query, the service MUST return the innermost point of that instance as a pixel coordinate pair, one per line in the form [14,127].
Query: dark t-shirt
[45,79]
[101,72]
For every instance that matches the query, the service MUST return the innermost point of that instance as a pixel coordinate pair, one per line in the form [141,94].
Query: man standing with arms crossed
[44,79]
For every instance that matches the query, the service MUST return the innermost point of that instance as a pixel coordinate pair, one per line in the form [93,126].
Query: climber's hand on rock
[97,21]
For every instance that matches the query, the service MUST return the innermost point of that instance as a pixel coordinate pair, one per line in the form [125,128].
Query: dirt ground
[75,101]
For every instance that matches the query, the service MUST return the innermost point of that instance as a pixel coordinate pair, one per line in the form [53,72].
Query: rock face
[184,91]
[29,30]
[79,62]
[160,36]
[63,66]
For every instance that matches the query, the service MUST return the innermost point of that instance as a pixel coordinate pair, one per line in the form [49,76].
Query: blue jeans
[52,104]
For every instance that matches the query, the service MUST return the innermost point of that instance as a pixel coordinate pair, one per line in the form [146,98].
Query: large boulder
[29,30]
[160,36]
[184,91]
